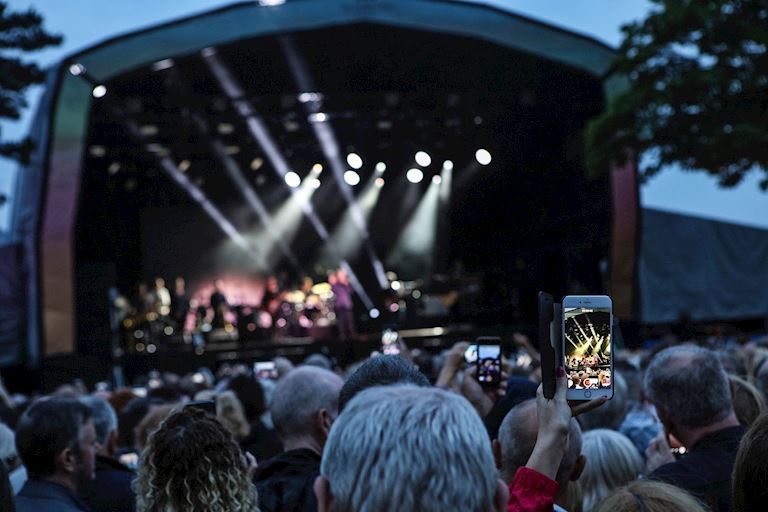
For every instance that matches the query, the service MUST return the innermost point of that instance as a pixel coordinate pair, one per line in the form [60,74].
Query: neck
[306,442]
[62,480]
[689,437]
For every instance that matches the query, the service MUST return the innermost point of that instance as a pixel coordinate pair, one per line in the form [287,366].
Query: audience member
[262,442]
[110,490]
[380,371]
[517,438]
[748,402]
[649,496]
[409,449]
[750,470]
[304,406]
[612,461]
[150,423]
[192,463]
[56,441]
[690,390]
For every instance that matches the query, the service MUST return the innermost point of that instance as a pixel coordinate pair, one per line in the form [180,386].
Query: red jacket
[531,491]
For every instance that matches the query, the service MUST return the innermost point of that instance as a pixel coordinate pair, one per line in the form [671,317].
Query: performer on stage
[218,305]
[342,304]
[180,304]
[162,297]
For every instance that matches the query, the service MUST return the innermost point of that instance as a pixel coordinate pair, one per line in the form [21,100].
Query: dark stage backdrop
[706,269]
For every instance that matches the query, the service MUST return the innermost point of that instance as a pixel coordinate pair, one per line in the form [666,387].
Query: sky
[87,22]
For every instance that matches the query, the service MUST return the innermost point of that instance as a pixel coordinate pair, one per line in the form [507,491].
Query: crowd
[685,431]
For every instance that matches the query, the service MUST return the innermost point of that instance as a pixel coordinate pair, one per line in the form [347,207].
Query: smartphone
[546,348]
[389,345]
[265,370]
[488,361]
[207,406]
[588,346]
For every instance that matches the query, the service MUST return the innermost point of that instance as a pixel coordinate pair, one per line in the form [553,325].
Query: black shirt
[706,470]
[110,490]
[285,483]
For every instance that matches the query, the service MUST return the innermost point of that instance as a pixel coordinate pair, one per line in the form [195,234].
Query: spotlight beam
[181,179]
[330,146]
[261,134]
[238,178]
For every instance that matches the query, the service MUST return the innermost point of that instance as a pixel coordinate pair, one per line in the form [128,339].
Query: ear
[501,498]
[111,447]
[323,422]
[578,468]
[323,494]
[67,461]
[666,420]
[497,453]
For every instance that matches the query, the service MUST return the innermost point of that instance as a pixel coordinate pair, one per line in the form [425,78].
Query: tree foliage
[698,95]
[20,32]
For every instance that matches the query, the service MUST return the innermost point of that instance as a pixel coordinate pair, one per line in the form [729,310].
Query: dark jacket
[6,493]
[285,482]
[110,490]
[41,496]
[705,471]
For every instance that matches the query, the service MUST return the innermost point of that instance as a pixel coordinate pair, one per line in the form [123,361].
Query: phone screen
[265,370]
[488,365]
[389,345]
[588,347]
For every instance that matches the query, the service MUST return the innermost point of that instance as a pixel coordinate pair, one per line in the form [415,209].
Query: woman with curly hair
[192,464]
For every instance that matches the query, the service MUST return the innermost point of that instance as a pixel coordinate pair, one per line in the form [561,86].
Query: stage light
[97,151]
[315,183]
[151,348]
[292,179]
[168,330]
[184,165]
[232,150]
[354,160]
[395,285]
[478,120]
[317,168]
[77,69]
[148,130]
[318,117]
[352,178]
[416,294]
[374,313]
[162,64]
[379,182]
[225,128]
[154,147]
[307,97]
[436,179]
[99,91]
[381,167]
[256,163]
[483,157]
[113,168]
[448,165]
[414,175]
[208,52]
[423,158]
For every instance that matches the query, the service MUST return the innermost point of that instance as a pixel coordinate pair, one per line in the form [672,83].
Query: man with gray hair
[517,438]
[111,487]
[690,390]
[304,405]
[409,449]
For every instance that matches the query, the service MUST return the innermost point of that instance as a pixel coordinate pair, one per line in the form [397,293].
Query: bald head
[300,396]
[517,437]
[690,384]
